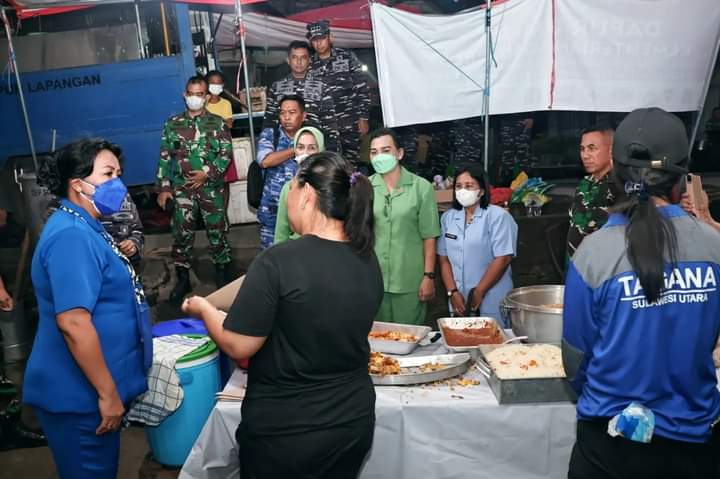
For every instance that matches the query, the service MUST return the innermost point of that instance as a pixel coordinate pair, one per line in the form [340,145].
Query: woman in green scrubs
[406,227]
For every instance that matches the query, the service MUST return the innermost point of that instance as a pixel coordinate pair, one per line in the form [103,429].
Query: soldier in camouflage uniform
[319,106]
[596,192]
[195,151]
[515,156]
[276,155]
[341,71]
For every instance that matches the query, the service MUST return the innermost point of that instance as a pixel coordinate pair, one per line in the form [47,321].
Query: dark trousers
[596,455]
[332,453]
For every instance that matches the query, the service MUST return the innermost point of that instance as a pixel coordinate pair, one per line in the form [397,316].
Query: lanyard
[137,284]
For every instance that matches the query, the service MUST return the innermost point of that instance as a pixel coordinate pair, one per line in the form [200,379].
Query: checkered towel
[164,394]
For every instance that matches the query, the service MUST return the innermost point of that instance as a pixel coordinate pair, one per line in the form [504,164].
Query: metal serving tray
[461,323]
[456,364]
[514,391]
[397,347]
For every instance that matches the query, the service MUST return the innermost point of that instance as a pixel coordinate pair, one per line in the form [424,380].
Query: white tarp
[275,32]
[622,55]
[432,68]
[589,55]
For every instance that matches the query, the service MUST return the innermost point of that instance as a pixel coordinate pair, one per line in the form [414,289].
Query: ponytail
[359,221]
[650,237]
[342,195]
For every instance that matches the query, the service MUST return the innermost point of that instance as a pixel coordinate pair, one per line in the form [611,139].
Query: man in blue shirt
[276,155]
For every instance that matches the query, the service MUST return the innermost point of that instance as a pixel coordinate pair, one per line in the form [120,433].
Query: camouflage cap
[318,29]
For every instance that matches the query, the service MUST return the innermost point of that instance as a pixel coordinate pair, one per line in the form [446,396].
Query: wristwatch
[429,274]
[451,292]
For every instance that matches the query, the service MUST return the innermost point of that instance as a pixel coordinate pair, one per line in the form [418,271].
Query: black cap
[318,29]
[661,133]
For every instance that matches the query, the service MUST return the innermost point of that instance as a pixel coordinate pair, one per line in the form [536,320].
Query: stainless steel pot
[530,313]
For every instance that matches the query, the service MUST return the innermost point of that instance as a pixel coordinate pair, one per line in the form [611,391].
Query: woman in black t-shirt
[303,313]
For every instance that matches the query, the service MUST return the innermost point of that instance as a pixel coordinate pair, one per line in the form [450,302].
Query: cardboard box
[444,196]
[224,297]
[238,210]
[242,156]
[258,97]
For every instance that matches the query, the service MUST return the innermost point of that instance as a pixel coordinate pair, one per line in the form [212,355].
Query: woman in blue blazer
[93,346]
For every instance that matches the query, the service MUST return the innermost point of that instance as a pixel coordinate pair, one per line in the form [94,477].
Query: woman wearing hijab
[308,141]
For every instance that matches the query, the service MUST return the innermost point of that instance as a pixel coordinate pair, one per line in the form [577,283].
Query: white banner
[432,68]
[622,55]
[609,56]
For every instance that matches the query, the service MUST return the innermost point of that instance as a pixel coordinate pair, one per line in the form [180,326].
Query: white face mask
[194,103]
[467,198]
[216,89]
[300,158]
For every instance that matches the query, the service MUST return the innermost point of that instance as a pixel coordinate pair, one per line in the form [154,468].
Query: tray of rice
[525,373]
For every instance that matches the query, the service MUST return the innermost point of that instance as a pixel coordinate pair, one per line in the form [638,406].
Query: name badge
[448,235]
[339,66]
[286,88]
[313,90]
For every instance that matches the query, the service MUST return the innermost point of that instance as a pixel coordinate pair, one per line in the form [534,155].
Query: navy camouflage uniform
[124,225]
[515,148]
[192,144]
[350,93]
[275,179]
[319,106]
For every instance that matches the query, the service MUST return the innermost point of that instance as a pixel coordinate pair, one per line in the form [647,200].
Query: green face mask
[384,163]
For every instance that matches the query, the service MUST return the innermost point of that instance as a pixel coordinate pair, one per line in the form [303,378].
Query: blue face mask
[108,196]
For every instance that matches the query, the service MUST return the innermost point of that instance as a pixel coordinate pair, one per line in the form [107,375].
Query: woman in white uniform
[476,246]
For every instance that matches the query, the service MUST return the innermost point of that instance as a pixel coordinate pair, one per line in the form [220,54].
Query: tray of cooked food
[396,338]
[386,370]
[525,373]
[466,334]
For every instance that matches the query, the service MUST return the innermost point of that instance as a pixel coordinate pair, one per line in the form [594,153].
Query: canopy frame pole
[141,47]
[241,33]
[706,88]
[486,93]
[21,94]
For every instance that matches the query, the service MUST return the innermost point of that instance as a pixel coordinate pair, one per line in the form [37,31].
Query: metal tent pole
[241,32]
[19,87]
[486,93]
[703,99]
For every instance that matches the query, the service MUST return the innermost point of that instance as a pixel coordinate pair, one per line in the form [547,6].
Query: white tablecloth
[434,432]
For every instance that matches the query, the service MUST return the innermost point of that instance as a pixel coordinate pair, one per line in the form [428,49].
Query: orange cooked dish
[383,365]
[392,336]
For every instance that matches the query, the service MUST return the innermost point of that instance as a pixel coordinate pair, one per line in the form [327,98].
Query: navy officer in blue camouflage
[342,72]
[276,156]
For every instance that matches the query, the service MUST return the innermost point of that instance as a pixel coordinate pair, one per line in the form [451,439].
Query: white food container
[397,347]
[470,323]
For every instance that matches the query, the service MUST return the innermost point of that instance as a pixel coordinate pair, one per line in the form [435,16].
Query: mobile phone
[693,186]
